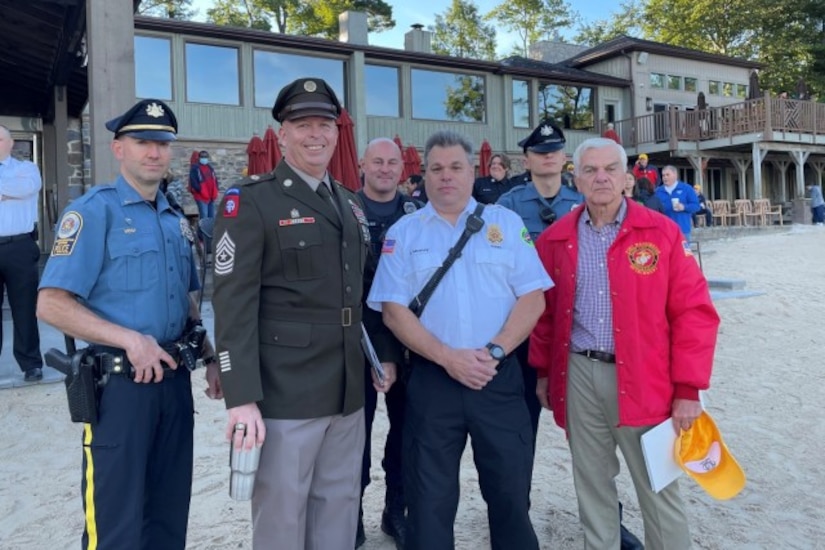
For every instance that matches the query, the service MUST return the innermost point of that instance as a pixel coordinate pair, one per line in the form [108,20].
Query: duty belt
[115,361]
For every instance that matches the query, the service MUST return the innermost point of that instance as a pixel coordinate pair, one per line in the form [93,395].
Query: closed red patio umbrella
[193,158]
[397,140]
[484,157]
[256,153]
[273,149]
[412,162]
[344,163]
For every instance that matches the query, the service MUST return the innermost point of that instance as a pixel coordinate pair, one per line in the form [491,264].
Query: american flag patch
[388,247]
[686,246]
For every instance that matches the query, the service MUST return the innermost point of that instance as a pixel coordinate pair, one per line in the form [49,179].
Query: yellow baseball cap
[643,156]
[703,455]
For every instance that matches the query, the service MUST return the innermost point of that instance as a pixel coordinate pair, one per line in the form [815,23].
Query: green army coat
[288,297]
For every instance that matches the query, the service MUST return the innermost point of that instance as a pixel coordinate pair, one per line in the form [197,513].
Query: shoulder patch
[231,202]
[525,236]
[67,233]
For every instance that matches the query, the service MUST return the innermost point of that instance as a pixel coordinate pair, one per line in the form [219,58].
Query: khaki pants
[592,419]
[308,486]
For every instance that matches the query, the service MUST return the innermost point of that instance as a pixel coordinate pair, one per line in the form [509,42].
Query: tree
[320,17]
[465,102]
[254,14]
[625,22]
[171,9]
[460,32]
[532,20]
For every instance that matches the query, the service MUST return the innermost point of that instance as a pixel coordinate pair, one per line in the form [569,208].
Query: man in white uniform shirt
[464,377]
[19,254]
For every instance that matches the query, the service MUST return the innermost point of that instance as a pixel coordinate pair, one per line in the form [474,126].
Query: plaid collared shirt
[593,312]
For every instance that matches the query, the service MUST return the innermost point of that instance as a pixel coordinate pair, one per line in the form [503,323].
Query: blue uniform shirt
[526,201]
[127,262]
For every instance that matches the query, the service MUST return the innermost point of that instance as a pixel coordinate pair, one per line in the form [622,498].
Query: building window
[690,84]
[212,75]
[521,104]
[727,89]
[741,91]
[381,87]
[447,96]
[674,82]
[570,106]
[274,70]
[657,80]
[153,67]
[714,87]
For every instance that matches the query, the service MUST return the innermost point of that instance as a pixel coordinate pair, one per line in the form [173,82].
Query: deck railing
[769,115]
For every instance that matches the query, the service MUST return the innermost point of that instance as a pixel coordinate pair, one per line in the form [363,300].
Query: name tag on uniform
[296,221]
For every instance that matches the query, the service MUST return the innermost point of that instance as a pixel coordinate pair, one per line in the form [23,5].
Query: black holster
[82,382]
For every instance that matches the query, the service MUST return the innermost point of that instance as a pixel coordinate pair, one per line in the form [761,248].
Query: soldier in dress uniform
[290,251]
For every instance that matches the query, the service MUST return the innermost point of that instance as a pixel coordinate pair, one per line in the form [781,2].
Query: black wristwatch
[209,360]
[496,351]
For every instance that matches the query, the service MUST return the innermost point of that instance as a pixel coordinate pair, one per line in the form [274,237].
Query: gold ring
[240,426]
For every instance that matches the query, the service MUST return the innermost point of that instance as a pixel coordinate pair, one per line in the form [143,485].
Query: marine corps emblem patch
[643,258]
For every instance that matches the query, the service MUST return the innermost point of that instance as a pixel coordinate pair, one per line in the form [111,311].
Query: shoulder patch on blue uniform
[68,231]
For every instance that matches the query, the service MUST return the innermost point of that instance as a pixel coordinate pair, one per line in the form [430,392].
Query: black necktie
[323,192]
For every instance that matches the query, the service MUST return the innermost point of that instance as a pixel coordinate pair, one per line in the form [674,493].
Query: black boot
[629,540]
[393,520]
[360,536]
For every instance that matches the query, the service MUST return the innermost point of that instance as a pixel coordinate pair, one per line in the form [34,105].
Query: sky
[407,13]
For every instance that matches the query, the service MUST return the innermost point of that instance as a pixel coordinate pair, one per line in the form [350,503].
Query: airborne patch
[224,255]
[231,202]
[643,258]
[67,234]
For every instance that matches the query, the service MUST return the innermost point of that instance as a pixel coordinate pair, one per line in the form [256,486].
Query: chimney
[418,40]
[352,28]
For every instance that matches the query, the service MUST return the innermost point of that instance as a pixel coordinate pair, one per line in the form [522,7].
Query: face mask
[204,161]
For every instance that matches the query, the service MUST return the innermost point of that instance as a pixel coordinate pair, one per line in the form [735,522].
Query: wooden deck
[764,119]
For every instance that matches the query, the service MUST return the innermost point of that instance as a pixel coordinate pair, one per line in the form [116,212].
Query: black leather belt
[12,238]
[594,355]
[115,361]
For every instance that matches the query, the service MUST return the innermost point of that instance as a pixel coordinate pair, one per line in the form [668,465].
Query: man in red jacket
[203,184]
[643,169]
[626,341]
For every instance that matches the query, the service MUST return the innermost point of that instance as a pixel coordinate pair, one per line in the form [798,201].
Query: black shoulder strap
[474,225]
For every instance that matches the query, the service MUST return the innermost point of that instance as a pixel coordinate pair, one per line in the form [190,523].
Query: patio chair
[747,212]
[769,211]
[722,211]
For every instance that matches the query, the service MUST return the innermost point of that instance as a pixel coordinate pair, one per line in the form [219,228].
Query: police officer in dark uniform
[540,202]
[120,276]
[488,189]
[382,166]
[289,255]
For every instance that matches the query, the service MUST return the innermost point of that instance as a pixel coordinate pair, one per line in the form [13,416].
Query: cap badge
[154,110]
[546,130]
[294,213]
[310,86]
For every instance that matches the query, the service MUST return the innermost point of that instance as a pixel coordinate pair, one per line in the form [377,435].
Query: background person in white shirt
[19,254]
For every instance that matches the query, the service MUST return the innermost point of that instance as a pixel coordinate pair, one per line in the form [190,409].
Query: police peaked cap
[546,138]
[306,97]
[150,119]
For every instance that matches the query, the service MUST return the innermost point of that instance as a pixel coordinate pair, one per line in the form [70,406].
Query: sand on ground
[766,396]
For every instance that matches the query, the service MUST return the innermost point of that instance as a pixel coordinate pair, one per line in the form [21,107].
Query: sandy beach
[766,396]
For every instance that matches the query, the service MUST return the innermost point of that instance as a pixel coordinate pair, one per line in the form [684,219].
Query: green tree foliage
[172,9]
[626,22]
[320,17]
[532,20]
[246,13]
[814,12]
[465,101]
[461,32]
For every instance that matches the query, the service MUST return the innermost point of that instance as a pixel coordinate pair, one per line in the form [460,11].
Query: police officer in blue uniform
[464,380]
[120,276]
[540,202]
[384,205]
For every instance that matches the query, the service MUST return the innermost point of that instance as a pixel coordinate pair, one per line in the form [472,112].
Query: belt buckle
[346,317]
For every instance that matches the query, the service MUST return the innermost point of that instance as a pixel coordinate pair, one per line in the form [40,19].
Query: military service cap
[148,119]
[546,138]
[306,97]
